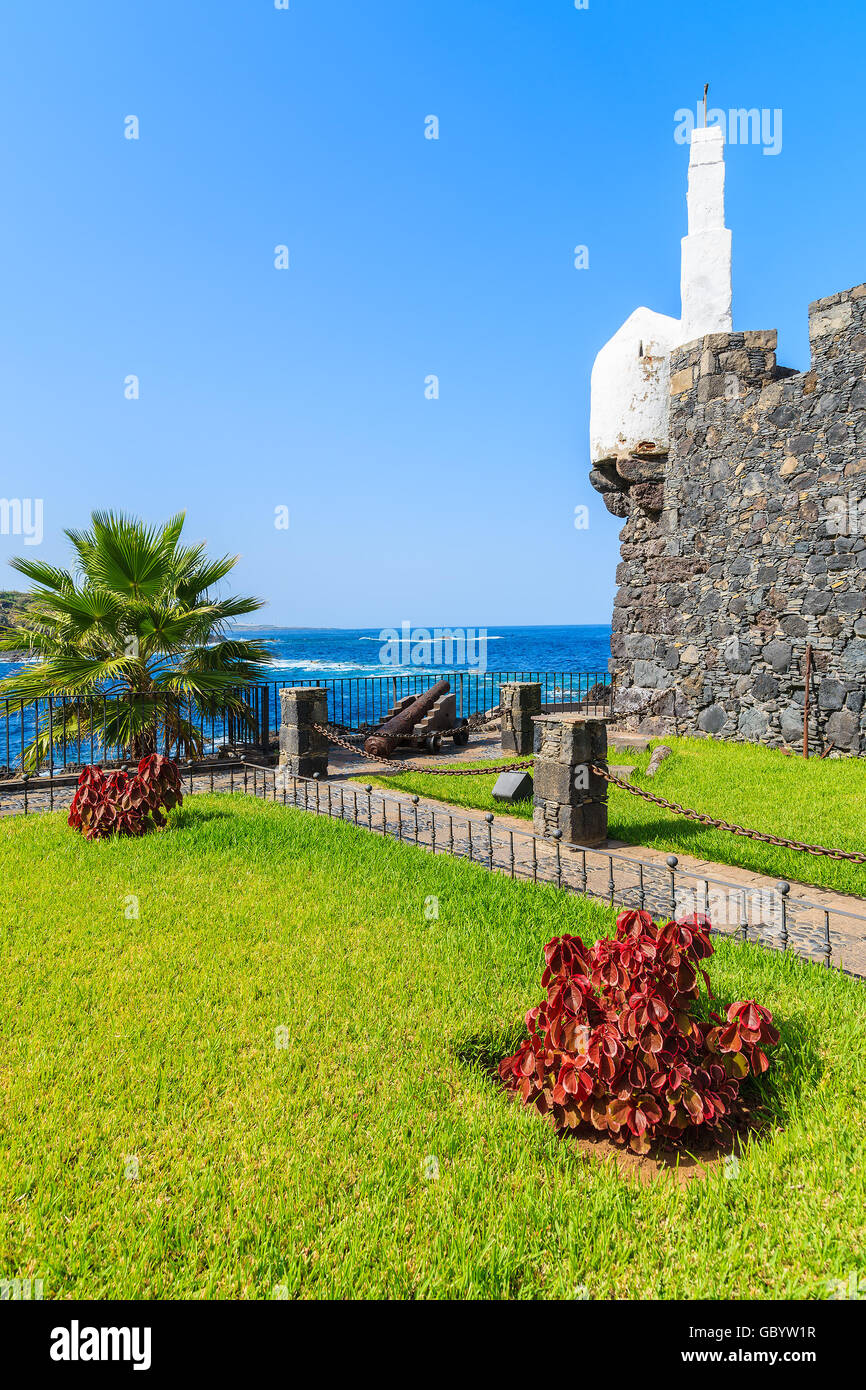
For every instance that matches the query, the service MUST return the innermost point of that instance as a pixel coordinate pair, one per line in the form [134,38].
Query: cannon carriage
[420,722]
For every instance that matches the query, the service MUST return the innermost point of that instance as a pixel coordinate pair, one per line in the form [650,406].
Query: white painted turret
[630,386]
[631,375]
[706,252]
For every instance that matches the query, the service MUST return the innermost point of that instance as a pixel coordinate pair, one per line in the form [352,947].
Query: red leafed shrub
[618,1044]
[116,804]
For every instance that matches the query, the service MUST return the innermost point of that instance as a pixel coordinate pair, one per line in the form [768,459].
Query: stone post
[519,701]
[303,751]
[568,797]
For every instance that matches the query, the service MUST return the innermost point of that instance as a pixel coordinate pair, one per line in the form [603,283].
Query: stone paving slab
[628,875]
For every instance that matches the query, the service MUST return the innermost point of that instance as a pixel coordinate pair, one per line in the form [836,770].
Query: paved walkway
[815,917]
[816,924]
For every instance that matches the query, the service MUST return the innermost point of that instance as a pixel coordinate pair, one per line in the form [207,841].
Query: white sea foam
[298,664]
[358,668]
[489,638]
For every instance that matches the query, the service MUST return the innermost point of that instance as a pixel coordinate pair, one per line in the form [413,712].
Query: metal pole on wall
[806,700]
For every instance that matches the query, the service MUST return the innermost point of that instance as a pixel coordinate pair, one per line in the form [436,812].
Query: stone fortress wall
[745,540]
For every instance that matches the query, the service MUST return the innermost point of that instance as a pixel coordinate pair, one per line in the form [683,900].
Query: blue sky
[409,257]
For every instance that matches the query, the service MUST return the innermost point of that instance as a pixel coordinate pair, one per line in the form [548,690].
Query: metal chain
[726,825]
[419,767]
[686,811]
[350,733]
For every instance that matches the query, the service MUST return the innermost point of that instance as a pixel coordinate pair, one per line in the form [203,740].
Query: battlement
[746,540]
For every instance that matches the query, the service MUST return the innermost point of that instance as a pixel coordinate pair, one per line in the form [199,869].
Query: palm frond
[113,724]
[48,576]
[129,557]
[67,674]
[236,607]
[19,639]
[136,623]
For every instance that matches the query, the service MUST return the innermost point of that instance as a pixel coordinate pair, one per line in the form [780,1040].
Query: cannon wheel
[460,738]
[433,742]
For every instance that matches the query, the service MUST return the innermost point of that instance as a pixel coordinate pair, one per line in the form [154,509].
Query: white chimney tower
[631,374]
[706,251]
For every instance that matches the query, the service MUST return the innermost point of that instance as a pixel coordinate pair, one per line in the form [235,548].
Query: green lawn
[817,802]
[153,1040]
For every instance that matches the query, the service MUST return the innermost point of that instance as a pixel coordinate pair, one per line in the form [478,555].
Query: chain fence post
[784,889]
[672,862]
[489,820]
[744,916]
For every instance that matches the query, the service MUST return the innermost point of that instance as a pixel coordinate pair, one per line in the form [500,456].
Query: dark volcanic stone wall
[749,541]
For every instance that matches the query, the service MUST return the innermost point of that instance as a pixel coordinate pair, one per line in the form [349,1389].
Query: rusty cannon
[419,721]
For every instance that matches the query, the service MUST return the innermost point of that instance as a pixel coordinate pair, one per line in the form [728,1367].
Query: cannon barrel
[397,729]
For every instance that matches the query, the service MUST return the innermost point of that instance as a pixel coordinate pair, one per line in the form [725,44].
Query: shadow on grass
[484,1051]
[769,1101]
[185,817]
[643,832]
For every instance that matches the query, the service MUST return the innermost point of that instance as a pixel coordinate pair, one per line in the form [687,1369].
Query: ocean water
[319,654]
[322,653]
[363,680]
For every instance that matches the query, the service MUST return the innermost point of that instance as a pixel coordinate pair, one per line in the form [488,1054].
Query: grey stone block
[299,739]
[578,825]
[764,686]
[713,719]
[568,796]
[791,724]
[556,781]
[520,701]
[831,694]
[304,705]
[753,724]
[843,728]
[778,655]
[303,750]
[512,786]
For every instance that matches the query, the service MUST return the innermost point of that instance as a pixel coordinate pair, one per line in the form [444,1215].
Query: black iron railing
[768,915]
[72,732]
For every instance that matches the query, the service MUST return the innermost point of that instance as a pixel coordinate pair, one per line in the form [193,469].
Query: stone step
[625,743]
[623,771]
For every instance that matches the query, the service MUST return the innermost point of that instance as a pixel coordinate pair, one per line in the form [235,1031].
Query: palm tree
[131,640]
